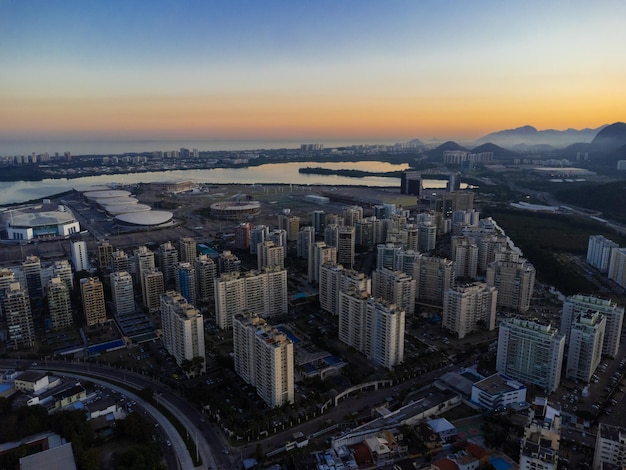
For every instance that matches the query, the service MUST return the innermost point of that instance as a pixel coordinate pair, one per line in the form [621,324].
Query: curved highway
[210,441]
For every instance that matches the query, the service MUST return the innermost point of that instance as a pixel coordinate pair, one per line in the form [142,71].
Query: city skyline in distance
[326,71]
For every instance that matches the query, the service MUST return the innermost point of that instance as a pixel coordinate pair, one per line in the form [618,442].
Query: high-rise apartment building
[585,346]
[386,255]
[269,255]
[539,447]
[488,246]
[306,236]
[59,304]
[531,353]
[167,257]
[258,234]
[617,267]
[427,237]
[105,250]
[318,220]
[351,215]
[334,279]
[185,280]
[465,256]
[242,236]
[183,332]
[119,262]
[63,269]
[92,294]
[187,249]
[228,262]
[515,282]
[263,292]
[206,273]
[152,287]
[580,304]
[264,358]
[31,267]
[18,317]
[144,260]
[610,451]
[78,253]
[599,251]
[384,340]
[395,287]
[433,277]
[319,254]
[122,292]
[372,326]
[291,224]
[469,308]
[345,246]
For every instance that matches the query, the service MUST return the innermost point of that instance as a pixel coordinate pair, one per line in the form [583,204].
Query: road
[210,440]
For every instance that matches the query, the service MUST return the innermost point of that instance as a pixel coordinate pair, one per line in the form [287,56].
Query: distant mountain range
[525,137]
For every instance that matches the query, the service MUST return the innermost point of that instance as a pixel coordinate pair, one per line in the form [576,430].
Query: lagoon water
[274,173]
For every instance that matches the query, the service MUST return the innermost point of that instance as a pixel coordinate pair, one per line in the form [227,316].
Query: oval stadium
[145,220]
[235,210]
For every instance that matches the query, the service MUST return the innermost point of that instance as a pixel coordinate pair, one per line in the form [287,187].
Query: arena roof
[87,189]
[119,209]
[39,219]
[109,201]
[111,193]
[145,219]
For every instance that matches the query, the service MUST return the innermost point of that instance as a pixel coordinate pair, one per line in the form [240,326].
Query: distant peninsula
[348,173]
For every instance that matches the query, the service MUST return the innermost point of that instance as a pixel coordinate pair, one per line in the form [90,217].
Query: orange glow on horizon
[290,117]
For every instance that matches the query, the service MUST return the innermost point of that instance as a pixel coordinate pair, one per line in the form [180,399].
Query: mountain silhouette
[498,152]
[529,135]
[611,137]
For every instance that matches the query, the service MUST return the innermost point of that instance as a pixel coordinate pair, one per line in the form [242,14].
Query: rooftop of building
[497,384]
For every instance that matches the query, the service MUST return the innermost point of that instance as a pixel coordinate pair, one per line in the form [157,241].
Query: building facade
[469,308]
[92,294]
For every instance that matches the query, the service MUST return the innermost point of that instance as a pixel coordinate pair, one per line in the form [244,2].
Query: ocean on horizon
[119,147]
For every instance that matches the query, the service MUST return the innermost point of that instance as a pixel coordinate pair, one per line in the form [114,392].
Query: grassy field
[545,238]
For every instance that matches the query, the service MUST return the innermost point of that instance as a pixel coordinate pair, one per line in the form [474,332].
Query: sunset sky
[313,70]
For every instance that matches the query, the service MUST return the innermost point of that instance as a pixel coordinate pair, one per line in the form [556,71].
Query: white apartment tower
[433,277]
[59,304]
[395,287]
[427,237]
[78,253]
[465,256]
[351,215]
[352,314]
[63,269]
[384,340]
[143,261]
[531,353]
[334,279]
[386,256]
[183,332]
[269,254]
[18,317]
[585,346]
[539,448]
[468,308]
[228,262]
[92,294]
[610,449]
[167,257]
[580,304]
[258,234]
[122,293]
[264,358]
[263,291]
[599,251]
[515,281]
[319,254]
